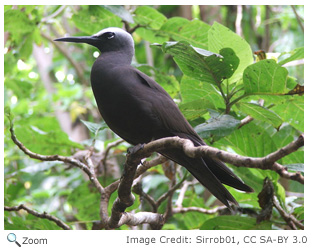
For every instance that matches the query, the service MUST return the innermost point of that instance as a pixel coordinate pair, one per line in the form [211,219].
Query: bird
[139,110]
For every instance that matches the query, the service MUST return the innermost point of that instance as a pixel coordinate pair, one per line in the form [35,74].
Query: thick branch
[43,215]
[265,163]
[125,199]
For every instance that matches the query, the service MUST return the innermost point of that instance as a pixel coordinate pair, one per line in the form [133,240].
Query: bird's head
[107,40]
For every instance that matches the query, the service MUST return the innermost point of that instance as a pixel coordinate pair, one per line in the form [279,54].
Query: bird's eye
[108,35]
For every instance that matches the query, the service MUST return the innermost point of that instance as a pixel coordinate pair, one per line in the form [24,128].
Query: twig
[54,14]
[93,178]
[248,118]
[179,201]
[43,215]
[64,51]
[245,121]
[106,152]
[197,209]
[137,188]
[171,190]
[297,17]
[290,219]
[34,155]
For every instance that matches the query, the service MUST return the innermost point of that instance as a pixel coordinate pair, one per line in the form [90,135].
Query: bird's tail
[210,172]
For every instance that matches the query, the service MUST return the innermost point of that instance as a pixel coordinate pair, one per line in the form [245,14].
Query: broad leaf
[296,54]
[94,127]
[267,77]
[85,199]
[44,136]
[18,24]
[291,110]
[193,90]
[220,37]
[148,16]
[120,11]
[250,140]
[217,126]
[235,223]
[194,32]
[201,64]
[260,113]
[94,19]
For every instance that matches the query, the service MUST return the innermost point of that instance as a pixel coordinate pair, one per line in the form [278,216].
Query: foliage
[208,69]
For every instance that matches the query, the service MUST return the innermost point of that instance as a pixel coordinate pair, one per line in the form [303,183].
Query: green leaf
[195,109]
[260,113]
[295,167]
[20,87]
[201,64]
[8,113]
[150,35]
[148,16]
[194,32]
[43,135]
[235,223]
[253,141]
[86,200]
[94,19]
[296,54]
[291,110]
[94,127]
[266,77]
[299,212]
[193,90]
[26,47]
[18,24]
[120,11]
[285,135]
[217,126]
[220,37]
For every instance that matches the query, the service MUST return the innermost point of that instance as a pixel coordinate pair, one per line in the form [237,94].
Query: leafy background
[193,53]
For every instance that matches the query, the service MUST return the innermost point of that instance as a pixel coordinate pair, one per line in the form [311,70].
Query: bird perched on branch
[139,110]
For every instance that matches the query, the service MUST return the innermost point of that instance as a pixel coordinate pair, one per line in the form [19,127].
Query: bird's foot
[135,149]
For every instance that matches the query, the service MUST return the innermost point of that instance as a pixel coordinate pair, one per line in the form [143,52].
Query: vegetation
[239,102]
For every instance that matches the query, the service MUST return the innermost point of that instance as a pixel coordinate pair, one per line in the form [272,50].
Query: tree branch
[125,198]
[43,215]
[290,219]
[297,17]
[265,163]
[63,159]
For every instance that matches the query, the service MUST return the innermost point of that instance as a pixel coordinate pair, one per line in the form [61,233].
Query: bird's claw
[135,149]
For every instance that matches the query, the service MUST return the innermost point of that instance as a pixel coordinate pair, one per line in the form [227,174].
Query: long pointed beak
[91,40]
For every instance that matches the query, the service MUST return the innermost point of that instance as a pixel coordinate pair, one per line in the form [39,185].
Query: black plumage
[139,110]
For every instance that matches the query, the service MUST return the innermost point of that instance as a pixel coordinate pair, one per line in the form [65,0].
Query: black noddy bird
[139,110]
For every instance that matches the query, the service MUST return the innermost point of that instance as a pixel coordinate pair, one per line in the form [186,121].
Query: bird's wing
[166,110]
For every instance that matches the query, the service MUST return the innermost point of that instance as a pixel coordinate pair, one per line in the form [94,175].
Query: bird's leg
[134,149]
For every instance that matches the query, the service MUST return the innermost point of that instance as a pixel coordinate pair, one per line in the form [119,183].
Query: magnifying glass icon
[12,238]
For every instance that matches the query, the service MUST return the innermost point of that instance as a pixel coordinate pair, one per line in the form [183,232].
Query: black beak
[91,40]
